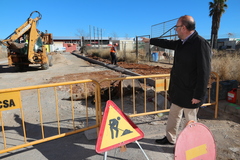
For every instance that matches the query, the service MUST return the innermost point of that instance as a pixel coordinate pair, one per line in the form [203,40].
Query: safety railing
[146,95]
[36,114]
[54,111]
[134,95]
[213,93]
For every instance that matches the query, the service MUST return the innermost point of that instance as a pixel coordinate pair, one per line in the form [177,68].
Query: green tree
[217,8]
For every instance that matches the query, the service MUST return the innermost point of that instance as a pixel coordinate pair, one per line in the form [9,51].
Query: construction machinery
[27,45]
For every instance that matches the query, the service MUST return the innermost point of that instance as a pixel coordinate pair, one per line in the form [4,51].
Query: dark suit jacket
[191,69]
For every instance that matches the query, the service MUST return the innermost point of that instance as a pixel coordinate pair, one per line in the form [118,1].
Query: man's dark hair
[189,23]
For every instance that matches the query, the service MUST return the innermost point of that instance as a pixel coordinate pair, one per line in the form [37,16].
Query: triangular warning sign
[116,129]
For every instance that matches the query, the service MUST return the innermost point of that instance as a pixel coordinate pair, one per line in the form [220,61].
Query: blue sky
[123,17]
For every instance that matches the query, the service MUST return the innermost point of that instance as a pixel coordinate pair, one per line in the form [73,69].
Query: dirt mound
[140,68]
[78,89]
[57,58]
[144,69]
[3,52]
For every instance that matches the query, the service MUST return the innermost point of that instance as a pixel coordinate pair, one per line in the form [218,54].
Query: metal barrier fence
[143,52]
[77,106]
[51,113]
[148,94]
[134,95]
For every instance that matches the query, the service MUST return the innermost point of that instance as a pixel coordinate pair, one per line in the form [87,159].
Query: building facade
[75,43]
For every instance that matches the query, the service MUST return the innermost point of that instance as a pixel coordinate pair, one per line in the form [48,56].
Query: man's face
[179,29]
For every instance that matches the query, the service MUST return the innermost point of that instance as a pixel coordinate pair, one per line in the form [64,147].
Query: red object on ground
[232,95]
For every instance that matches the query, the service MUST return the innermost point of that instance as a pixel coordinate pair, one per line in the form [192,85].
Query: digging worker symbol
[113,123]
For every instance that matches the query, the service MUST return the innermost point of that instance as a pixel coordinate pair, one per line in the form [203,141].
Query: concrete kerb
[151,82]
[110,66]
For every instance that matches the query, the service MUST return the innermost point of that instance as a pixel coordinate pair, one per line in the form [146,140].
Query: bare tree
[81,33]
[126,36]
[114,36]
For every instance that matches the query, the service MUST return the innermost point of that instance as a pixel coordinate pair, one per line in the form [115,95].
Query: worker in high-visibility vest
[113,54]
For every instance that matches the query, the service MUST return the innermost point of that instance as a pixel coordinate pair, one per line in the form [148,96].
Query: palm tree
[217,8]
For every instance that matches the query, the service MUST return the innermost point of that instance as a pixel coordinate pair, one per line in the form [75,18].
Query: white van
[60,49]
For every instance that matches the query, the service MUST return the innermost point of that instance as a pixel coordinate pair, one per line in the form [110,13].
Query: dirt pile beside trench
[140,68]
[57,58]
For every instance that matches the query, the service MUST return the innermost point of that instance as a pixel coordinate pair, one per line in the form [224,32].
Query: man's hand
[195,101]
[146,40]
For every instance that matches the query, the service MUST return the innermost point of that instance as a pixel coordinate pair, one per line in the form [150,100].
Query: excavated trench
[127,69]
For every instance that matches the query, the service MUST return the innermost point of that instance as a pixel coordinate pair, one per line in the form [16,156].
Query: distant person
[113,54]
[165,55]
[189,75]
[21,40]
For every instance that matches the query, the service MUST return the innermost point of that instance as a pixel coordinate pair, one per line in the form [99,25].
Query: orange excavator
[27,45]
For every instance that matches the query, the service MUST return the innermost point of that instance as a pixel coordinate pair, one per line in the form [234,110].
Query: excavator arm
[28,25]
[32,49]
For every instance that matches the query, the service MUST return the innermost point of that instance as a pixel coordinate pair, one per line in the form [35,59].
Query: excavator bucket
[15,45]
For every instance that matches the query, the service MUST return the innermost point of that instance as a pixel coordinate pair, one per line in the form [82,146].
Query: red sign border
[103,124]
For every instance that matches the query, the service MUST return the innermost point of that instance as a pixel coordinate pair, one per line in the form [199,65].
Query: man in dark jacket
[189,75]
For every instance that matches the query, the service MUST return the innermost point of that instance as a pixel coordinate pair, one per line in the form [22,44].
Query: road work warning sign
[116,129]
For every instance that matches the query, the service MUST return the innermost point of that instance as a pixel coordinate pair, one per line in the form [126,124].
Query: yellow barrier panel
[160,85]
[52,113]
[10,100]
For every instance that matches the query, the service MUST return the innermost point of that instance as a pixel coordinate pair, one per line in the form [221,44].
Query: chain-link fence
[153,53]
[164,29]
[143,52]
